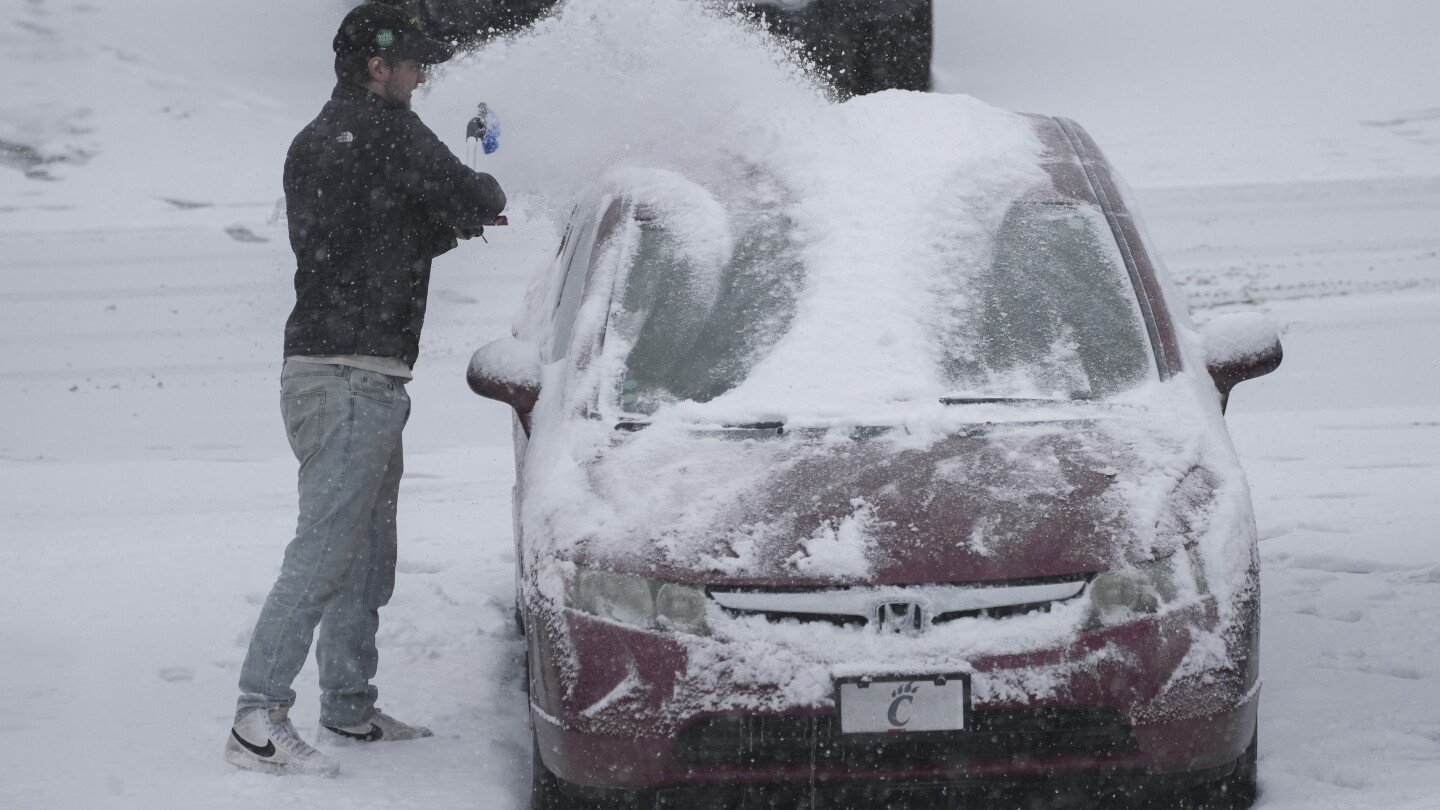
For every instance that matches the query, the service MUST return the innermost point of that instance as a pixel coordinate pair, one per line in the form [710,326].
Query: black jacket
[372,196]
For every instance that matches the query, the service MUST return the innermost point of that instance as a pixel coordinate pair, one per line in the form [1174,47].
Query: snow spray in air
[665,83]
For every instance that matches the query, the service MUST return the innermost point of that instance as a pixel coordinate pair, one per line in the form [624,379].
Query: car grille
[994,734]
[929,604]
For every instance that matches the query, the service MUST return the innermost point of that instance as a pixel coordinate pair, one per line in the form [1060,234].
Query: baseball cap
[375,29]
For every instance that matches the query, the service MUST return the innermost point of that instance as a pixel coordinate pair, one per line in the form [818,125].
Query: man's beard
[392,97]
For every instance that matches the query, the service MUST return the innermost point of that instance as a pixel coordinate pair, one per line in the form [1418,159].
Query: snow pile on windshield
[893,194]
[859,233]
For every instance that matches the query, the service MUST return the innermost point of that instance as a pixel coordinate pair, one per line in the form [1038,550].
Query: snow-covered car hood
[1000,501]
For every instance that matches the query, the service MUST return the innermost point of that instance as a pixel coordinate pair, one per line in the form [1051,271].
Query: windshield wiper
[632,425]
[1014,400]
[778,427]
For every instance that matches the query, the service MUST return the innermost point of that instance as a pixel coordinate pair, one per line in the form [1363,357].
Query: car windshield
[1048,312]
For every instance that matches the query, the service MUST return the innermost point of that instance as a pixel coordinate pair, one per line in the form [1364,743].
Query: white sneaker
[380,726]
[265,740]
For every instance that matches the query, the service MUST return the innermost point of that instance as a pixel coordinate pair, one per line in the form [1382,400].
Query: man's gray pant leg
[346,649]
[344,426]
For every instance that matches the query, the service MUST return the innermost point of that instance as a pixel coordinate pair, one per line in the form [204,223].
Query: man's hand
[479,230]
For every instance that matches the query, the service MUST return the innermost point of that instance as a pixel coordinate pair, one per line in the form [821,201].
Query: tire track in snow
[1255,295]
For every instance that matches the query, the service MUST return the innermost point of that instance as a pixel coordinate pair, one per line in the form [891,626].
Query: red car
[826,500]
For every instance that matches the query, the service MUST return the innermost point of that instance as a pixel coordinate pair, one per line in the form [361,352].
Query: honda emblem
[904,618]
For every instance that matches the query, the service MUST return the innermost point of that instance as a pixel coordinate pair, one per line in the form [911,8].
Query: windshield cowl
[945,416]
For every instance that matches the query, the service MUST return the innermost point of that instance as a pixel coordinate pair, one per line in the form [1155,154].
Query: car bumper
[625,710]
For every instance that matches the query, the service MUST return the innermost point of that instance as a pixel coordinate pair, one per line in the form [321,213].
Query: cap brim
[422,49]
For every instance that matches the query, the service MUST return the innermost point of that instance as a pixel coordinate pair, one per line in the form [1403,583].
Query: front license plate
[895,704]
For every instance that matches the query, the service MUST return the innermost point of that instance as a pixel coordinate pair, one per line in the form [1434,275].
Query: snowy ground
[147,487]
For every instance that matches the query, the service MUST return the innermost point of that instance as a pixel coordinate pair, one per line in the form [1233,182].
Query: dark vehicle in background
[1053,606]
[473,21]
[863,45]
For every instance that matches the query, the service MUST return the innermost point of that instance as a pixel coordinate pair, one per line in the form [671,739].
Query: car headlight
[1127,594]
[638,601]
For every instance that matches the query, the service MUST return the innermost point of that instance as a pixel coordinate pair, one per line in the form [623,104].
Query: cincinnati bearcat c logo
[900,701]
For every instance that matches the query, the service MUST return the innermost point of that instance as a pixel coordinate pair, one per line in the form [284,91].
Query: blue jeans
[344,426]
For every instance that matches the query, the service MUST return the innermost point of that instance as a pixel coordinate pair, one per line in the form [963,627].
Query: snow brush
[482,134]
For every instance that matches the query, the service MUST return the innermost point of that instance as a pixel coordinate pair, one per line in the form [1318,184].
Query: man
[371,197]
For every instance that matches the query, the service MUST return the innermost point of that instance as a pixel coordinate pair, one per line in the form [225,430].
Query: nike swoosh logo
[372,735]
[264,753]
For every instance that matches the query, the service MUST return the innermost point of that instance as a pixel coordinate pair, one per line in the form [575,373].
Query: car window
[1055,315]
[587,241]
[536,323]
[569,301]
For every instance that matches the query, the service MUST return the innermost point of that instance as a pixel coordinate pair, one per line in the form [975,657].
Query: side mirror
[1240,346]
[507,370]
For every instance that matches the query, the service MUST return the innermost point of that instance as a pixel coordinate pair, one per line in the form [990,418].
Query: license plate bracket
[897,704]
